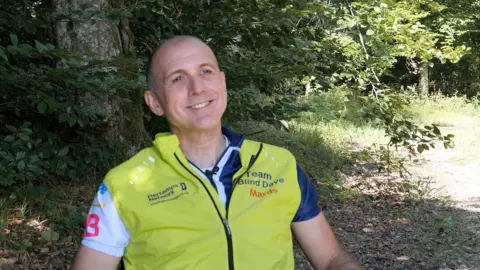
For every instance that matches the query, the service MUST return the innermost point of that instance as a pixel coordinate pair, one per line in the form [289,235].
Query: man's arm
[105,237]
[90,259]
[320,245]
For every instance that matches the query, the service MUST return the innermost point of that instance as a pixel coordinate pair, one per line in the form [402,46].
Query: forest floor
[427,220]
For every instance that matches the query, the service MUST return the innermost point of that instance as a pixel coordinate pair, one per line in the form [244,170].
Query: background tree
[71,91]
[107,40]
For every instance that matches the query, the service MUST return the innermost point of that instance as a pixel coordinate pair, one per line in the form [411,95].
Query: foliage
[53,125]
[275,54]
[464,77]
[404,132]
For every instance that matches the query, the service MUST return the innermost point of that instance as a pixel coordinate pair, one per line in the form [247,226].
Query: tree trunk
[108,41]
[423,80]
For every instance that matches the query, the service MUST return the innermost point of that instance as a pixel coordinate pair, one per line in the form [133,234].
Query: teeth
[201,105]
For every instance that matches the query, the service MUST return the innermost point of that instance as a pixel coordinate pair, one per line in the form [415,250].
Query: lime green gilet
[176,219]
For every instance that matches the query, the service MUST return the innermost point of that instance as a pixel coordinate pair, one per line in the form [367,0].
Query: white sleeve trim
[109,250]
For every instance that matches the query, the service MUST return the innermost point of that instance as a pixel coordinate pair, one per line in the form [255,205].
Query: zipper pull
[227,226]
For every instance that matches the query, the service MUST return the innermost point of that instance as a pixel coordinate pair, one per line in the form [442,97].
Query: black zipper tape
[226,226]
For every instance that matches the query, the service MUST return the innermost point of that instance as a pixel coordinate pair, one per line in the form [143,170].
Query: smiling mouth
[201,105]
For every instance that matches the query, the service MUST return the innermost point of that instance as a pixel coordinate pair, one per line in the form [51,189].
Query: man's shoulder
[134,165]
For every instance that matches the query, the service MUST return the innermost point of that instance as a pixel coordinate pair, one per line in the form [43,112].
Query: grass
[445,111]
[452,113]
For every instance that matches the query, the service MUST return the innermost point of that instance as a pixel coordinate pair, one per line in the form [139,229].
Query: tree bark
[108,41]
[423,79]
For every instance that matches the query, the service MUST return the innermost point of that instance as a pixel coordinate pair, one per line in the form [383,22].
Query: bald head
[156,62]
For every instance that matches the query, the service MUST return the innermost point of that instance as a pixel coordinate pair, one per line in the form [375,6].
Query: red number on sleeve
[92,222]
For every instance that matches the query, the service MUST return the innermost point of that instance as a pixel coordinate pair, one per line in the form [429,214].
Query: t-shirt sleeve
[309,207]
[104,230]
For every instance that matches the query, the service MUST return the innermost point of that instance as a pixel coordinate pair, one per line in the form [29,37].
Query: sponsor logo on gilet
[170,193]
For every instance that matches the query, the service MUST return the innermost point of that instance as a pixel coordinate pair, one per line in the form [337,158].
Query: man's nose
[196,86]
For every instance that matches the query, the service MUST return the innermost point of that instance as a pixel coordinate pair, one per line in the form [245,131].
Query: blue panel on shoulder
[309,207]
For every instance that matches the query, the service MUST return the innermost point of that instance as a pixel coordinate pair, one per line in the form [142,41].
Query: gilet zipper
[225,223]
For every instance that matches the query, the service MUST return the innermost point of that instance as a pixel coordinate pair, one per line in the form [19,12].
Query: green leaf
[21,165]
[420,148]
[26,131]
[3,55]
[12,128]
[62,118]
[370,32]
[40,47]
[451,145]
[24,137]
[50,235]
[34,158]
[14,39]
[9,138]
[299,42]
[72,120]
[63,152]
[80,122]
[20,155]
[42,107]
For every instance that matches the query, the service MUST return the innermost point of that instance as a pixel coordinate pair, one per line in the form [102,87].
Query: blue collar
[235,139]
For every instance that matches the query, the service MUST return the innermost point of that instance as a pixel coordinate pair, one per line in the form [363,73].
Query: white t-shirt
[105,231]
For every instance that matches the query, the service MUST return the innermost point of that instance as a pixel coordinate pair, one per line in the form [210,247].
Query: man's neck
[202,148]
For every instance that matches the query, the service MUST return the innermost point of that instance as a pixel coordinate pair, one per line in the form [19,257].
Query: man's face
[190,87]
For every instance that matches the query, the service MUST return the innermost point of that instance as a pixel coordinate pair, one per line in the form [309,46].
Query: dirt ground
[428,220]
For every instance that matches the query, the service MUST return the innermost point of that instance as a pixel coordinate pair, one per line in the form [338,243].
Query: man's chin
[206,125]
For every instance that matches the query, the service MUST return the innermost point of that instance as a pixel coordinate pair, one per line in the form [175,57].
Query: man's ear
[223,79]
[153,103]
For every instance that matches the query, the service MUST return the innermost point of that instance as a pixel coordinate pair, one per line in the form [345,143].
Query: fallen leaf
[50,235]
[367,230]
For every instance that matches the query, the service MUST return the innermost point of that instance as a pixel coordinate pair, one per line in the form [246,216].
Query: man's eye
[176,79]
[206,71]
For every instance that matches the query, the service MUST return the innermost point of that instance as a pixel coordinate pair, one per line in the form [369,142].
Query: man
[203,197]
